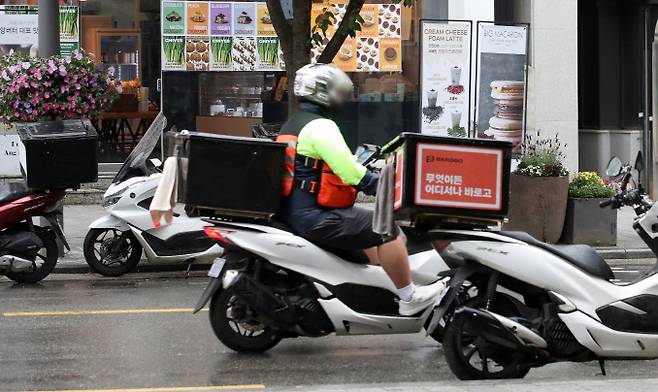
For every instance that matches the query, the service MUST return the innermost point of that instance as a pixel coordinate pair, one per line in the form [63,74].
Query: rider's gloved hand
[368,184]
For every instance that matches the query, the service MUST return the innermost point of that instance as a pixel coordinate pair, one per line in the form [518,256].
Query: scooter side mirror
[614,167]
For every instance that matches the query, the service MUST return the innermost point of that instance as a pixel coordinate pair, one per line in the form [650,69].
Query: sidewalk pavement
[78,217]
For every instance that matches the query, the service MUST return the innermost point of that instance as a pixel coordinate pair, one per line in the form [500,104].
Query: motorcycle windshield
[135,164]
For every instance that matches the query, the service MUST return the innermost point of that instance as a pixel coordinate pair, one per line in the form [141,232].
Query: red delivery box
[442,176]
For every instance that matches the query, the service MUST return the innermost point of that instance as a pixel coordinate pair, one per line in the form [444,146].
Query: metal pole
[48,46]
[48,27]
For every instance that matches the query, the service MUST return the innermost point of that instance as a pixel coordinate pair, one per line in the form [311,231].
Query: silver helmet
[323,84]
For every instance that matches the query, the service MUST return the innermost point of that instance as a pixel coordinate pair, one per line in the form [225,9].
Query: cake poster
[376,47]
[197,18]
[244,19]
[501,82]
[220,19]
[218,36]
[445,78]
[173,22]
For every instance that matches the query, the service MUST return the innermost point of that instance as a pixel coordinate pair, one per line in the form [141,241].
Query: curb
[621,253]
[81,268]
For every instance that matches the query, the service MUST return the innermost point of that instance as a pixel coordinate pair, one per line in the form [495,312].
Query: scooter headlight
[114,198]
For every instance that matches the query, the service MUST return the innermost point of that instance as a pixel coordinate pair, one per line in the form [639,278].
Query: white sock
[406,292]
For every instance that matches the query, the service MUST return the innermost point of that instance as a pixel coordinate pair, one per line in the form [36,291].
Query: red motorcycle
[28,253]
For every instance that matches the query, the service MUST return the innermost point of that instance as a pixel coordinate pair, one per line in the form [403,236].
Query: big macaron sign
[501,82]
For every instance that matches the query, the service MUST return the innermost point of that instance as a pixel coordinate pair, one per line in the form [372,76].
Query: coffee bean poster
[501,83]
[376,48]
[445,77]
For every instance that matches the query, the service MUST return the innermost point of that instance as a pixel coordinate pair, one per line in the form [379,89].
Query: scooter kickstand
[189,266]
[602,366]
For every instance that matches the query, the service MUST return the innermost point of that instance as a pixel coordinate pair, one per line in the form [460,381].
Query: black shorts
[347,229]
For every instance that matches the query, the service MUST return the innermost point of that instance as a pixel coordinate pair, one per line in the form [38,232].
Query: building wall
[553,71]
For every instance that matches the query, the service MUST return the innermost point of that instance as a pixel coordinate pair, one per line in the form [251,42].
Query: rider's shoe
[423,297]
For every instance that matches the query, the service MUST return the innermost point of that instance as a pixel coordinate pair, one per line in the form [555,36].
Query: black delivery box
[227,176]
[58,154]
[440,177]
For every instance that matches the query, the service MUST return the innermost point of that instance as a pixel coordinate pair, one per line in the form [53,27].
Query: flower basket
[539,190]
[586,222]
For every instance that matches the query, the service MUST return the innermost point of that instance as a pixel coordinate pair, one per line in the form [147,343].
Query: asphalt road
[84,332]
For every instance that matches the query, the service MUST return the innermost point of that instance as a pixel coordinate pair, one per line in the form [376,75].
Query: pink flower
[46,95]
[64,89]
[36,101]
[38,75]
[67,59]
[78,56]
[62,70]
[77,86]
[26,65]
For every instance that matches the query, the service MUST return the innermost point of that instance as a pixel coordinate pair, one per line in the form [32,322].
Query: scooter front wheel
[111,252]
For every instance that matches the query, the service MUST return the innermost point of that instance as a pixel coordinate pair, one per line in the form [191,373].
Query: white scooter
[113,246]
[537,303]
[272,284]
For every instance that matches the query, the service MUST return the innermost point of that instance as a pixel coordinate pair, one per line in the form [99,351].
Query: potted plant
[586,222]
[54,88]
[539,190]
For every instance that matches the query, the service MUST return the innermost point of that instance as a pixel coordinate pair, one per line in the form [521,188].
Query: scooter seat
[13,191]
[581,256]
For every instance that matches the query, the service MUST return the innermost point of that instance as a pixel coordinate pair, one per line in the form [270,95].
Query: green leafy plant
[542,157]
[457,131]
[589,185]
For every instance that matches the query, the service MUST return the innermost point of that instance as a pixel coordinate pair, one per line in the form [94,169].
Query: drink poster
[219,36]
[380,31]
[244,19]
[263,21]
[220,19]
[173,22]
[445,77]
[197,18]
[501,82]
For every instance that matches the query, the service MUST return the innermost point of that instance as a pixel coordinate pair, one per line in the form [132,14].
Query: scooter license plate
[217,268]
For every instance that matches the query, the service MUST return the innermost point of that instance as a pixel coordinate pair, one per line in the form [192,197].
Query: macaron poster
[445,77]
[501,85]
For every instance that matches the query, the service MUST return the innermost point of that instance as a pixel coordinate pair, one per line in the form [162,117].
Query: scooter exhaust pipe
[499,329]
[15,264]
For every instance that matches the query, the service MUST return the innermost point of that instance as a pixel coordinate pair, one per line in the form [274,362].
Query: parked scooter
[113,246]
[272,284]
[28,253]
[559,303]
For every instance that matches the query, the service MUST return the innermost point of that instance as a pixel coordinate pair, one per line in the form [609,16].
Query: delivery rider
[322,178]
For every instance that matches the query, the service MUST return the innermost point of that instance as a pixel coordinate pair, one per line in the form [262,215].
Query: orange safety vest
[331,191]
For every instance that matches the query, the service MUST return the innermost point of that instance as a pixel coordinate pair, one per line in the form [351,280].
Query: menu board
[219,36]
[501,82]
[19,29]
[445,77]
[376,48]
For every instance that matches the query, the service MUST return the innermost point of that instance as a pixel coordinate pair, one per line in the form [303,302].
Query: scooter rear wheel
[237,327]
[46,259]
[97,247]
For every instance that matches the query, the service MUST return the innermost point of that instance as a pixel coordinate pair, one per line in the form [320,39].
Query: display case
[118,48]
[230,102]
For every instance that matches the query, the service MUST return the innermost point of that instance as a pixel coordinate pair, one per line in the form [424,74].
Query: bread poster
[501,84]
[220,19]
[244,19]
[445,78]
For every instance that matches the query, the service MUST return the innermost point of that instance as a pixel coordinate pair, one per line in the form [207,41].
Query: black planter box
[440,178]
[58,154]
[587,223]
[227,176]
